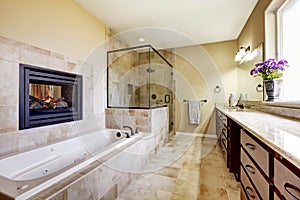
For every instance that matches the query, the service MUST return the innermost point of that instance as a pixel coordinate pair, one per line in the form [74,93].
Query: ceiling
[172,23]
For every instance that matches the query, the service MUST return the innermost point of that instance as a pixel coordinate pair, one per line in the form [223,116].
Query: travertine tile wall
[12,140]
[147,120]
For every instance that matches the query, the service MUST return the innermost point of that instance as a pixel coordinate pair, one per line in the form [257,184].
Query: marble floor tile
[198,173]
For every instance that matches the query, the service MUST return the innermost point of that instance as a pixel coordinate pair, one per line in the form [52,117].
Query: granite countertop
[281,134]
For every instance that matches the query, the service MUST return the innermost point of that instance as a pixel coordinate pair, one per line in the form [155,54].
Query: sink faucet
[136,130]
[131,130]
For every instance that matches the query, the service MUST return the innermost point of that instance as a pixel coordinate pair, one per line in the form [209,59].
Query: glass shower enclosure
[139,78]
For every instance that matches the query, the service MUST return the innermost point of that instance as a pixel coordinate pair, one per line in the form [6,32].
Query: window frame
[274,39]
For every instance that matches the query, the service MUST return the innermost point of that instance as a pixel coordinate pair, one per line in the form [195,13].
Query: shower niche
[140,78]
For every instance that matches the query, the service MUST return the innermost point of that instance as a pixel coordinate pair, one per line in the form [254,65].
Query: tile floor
[186,168]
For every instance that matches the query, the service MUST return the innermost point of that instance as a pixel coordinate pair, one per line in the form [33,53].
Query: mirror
[253,86]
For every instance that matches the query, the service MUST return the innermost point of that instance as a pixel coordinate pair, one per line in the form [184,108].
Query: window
[288,18]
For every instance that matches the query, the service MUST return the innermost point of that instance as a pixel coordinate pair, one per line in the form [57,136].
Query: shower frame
[149,74]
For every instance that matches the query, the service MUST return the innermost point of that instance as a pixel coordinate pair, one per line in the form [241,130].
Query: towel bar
[202,100]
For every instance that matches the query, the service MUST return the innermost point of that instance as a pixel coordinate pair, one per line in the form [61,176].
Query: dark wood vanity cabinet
[286,179]
[228,132]
[263,172]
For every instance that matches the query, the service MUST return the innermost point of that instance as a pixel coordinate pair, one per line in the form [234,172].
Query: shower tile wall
[147,120]
[11,139]
[126,78]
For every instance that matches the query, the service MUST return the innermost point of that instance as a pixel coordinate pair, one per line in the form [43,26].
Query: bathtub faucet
[131,130]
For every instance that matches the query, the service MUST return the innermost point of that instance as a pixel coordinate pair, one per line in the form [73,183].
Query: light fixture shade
[237,57]
[243,51]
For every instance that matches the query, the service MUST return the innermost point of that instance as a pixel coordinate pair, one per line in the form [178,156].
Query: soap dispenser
[232,100]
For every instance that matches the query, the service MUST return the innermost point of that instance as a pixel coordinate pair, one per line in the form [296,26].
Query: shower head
[150,70]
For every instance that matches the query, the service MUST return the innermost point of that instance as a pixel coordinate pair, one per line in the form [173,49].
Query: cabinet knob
[250,169]
[250,192]
[224,140]
[293,191]
[250,146]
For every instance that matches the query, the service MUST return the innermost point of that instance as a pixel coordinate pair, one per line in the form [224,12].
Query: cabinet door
[233,147]
[286,181]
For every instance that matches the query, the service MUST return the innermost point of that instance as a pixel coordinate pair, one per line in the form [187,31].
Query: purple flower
[259,64]
[269,69]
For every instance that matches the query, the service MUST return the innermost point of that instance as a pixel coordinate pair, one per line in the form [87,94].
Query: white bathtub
[25,174]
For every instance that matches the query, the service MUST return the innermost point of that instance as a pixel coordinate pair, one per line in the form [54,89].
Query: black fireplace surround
[48,97]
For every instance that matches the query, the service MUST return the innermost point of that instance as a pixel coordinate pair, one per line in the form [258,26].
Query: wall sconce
[243,51]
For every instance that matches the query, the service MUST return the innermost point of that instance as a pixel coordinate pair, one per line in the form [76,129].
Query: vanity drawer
[224,131]
[257,178]
[223,118]
[223,145]
[257,152]
[224,140]
[286,181]
[248,189]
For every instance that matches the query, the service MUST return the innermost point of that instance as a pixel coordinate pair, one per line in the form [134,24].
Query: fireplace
[48,97]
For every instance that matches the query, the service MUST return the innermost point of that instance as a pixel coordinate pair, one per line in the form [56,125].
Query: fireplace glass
[45,98]
[48,97]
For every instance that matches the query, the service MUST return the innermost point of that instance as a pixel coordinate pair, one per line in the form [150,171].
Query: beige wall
[253,35]
[222,54]
[57,25]
[253,32]
[190,85]
[195,82]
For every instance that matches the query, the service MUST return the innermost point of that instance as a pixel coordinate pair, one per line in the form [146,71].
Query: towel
[194,112]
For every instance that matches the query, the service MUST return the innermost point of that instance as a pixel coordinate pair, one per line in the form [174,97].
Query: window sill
[284,104]
[289,109]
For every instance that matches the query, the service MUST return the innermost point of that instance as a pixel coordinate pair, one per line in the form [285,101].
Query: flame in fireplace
[49,99]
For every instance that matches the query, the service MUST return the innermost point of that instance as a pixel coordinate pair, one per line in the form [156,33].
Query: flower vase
[273,89]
